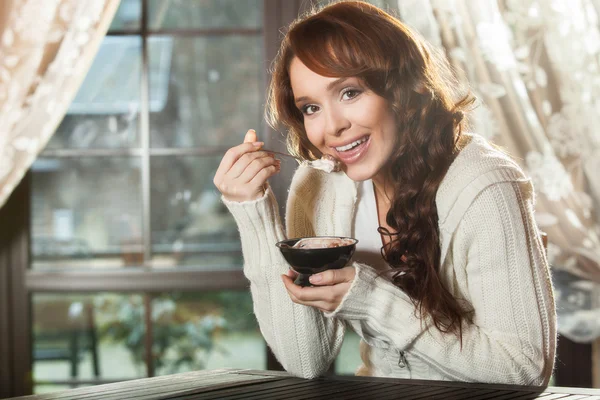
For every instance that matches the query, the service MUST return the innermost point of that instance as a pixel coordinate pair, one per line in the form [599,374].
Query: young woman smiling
[449,280]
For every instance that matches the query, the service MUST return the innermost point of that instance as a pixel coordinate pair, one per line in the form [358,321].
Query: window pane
[203,14]
[215,91]
[195,331]
[104,113]
[190,224]
[128,16]
[86,337]
[86,212]
[348,360]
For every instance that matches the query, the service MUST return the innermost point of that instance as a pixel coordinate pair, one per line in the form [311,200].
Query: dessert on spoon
[327,162]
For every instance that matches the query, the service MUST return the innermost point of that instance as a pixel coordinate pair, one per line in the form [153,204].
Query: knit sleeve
[302,339]
[512,336]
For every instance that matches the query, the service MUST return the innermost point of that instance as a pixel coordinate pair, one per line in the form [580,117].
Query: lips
[353,155]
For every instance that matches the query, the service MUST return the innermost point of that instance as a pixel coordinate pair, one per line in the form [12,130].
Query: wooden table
[229,384]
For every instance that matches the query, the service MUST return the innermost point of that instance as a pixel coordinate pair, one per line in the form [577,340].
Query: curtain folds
[46,49]
[534,65]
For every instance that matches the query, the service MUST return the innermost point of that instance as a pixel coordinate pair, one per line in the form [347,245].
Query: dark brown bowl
[311,261]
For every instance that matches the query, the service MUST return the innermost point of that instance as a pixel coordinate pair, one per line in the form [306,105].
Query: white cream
[323,165]
[327,163]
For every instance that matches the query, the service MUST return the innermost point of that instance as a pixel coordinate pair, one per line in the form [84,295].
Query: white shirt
[364,228]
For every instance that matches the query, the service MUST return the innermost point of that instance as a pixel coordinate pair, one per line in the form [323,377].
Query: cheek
[313,134]
[370,116]
[388,126]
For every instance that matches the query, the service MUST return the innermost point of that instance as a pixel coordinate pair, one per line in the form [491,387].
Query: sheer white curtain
[535,66]
[46,48]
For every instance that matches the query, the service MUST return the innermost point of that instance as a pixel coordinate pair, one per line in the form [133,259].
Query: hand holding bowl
[316,254]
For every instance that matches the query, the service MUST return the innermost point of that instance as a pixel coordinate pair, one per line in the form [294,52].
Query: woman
[449,280]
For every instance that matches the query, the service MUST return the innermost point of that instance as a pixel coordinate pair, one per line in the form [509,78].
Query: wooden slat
[481,394]
[250,390]
[463,393]
[495,394]
[312,387]
[342,389]
[111,386]
[280,392]
[142,386]
[434,393]
[163,393]
[517,395]
[376,391]
[290,386]
[400,390]
[147,385]
[231,384]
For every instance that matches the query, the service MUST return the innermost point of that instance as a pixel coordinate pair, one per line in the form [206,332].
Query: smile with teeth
[352,145]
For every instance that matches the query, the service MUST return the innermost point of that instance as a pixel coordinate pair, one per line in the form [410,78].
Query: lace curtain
[535,66]
[46,48]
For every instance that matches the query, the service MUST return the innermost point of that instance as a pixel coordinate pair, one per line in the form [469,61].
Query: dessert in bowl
[311,255]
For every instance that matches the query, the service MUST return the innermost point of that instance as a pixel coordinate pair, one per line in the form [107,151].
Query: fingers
[244,170]
[250,136]
[325,298]
[233,155]
[249,164]
[307,296]
[333,276]
[261,177]
[292,274]
[254,172]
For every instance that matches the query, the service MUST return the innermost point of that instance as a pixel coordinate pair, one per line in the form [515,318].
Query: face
[342,117]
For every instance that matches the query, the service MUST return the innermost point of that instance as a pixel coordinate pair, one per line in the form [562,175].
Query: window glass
[214,94]
[86,337]
[203,14]
[128,16]
[105,111]
[190,224]
[86,212]
[208,330]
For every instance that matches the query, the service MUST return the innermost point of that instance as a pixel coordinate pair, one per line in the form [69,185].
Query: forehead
[304,79]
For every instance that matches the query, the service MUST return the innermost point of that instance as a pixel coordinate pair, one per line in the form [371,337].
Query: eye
[309,109]
[349,93]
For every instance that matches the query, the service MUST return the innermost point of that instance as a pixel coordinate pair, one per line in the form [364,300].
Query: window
[127,229]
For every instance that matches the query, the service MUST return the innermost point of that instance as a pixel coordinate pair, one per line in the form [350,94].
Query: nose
[337,122]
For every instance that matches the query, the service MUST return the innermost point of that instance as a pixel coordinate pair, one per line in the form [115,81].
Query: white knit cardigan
[491,255]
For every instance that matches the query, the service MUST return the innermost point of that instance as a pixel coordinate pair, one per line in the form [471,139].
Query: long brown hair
[356,39]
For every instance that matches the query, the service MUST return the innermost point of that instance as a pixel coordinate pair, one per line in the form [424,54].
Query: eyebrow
[330,86]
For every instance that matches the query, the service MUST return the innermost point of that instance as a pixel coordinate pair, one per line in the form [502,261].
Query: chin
[359,174]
